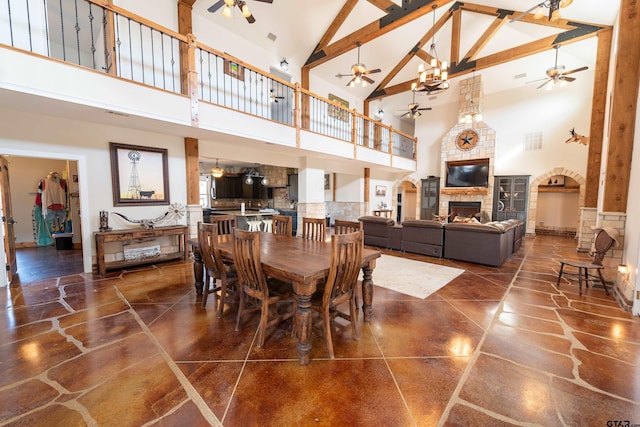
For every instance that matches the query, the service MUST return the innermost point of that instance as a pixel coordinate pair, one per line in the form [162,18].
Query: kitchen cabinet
[510,197]
[228,187]
[430,198]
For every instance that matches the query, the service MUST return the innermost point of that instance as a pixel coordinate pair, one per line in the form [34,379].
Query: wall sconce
[284,65]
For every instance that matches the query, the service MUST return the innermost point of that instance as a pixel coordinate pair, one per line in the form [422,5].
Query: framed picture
[381,190]
[327,181]
[337,112]
[234,69]
[139,175]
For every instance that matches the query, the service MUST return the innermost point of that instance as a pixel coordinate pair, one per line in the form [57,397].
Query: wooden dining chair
[282,225]
[340,287]
[256,292]
[341,226]
[225,223]
[605,240]
[314,229]
[216,270]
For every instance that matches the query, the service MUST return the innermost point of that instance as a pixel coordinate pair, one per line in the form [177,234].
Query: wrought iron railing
[112,40]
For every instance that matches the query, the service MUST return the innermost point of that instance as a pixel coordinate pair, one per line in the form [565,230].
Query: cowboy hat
[612,232]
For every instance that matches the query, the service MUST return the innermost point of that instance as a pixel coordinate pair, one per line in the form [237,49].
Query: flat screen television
[468,173]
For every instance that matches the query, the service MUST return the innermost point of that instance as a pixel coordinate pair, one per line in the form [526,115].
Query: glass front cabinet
[510,197]
[430,198]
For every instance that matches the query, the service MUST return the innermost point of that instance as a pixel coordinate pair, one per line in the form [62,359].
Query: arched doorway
[406,202]
[555,198]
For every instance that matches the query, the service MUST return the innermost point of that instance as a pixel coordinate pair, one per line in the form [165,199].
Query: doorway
[44,248]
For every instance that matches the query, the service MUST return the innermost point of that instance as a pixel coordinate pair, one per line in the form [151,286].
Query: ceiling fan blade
[266,1]
[351,81]
[250,19]
[535,81]
[576,70]
[544,84]
[406,114]
[376,70]
[216,6]
[567,79]
[367,79]
[424,109]
[343,75]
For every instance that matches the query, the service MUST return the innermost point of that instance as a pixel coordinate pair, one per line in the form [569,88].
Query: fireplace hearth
[463,209]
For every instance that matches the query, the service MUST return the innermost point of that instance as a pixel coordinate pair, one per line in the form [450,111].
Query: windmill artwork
[139,175]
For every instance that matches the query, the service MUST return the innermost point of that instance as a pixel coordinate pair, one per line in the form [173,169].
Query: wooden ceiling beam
[484,39]
[394,19]
[382,4]
[456,28]
[527,49]
[415,51]
[336,24]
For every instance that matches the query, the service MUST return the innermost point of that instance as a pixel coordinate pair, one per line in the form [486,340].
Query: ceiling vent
[272,37]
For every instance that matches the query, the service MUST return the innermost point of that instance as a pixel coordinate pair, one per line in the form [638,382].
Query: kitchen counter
[245,213]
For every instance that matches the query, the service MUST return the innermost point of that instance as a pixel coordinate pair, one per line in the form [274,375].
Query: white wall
[631,249]
[558,211]
[88,143]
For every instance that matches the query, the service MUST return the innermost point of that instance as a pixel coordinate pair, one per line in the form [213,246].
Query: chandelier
[472,115]
[217,172]
[433,77]
[252,173]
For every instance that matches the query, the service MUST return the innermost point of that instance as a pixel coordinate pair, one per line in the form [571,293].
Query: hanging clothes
[50,210]
[54,195]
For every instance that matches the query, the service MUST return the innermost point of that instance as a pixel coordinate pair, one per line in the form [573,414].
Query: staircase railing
[109,39]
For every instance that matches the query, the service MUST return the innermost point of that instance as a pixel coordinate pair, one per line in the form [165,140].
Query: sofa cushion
[475,228]
[426,223]
[376,220]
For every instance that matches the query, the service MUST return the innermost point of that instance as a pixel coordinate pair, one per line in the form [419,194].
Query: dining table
[303,263]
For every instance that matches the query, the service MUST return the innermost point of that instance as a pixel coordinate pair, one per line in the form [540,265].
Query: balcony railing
[109,39]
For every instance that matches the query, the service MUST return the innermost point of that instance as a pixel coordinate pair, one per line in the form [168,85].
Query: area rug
[415,278]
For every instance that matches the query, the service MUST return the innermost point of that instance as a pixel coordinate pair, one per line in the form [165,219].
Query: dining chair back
[340,287]
[314,229]
[263,295]
[282,225]
[605,239]
[225,223]
[216,269]
[342,226]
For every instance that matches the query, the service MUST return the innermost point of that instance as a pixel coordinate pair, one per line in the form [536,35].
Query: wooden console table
[133,234]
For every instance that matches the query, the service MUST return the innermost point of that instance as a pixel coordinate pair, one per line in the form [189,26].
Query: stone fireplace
[470,90]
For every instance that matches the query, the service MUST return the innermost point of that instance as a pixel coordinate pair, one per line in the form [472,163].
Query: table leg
[302,327]
[367,289]
[198,270]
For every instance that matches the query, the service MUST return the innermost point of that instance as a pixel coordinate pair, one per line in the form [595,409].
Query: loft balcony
[101,63]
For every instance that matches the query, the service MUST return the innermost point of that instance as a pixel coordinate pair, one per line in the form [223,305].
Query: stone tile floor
[496,346]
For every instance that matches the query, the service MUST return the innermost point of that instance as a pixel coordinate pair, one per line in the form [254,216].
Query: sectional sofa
[488,244]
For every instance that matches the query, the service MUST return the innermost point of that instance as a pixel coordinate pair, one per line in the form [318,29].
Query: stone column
[588,218]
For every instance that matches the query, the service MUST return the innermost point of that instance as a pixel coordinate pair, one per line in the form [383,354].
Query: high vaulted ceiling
[396,35]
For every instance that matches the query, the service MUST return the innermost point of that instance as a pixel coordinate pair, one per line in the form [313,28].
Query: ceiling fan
[553,6]
[556,74]
[359,73]
[242,5]
[414,109]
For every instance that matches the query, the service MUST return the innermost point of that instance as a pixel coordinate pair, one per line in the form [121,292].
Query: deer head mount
[580,139]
